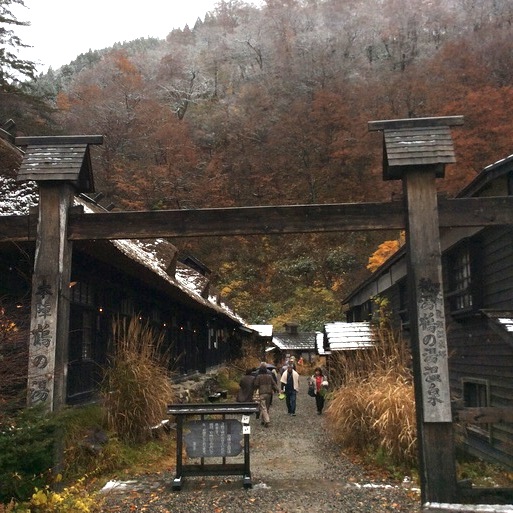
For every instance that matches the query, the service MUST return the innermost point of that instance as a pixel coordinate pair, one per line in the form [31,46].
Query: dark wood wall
[497,268]
[100,292]
[197,337]
[482,350]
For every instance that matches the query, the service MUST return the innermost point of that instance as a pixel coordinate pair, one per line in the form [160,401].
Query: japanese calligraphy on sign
[213,438]
[41,359]
[433,352]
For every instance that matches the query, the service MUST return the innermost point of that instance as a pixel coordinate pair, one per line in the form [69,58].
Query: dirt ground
[294,468]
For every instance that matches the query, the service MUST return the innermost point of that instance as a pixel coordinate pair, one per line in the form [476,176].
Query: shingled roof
[57,158]
[415,142]
[301,341]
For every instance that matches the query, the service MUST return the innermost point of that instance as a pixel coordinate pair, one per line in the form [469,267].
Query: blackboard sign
[213,438]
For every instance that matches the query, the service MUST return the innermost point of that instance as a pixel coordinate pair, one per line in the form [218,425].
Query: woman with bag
[317,387]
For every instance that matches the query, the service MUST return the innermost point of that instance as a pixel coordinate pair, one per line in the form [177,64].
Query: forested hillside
[269,105]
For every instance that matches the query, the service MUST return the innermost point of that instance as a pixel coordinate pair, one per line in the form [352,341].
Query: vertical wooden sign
[427,303]
[415,151]
[428,339]
[50,306]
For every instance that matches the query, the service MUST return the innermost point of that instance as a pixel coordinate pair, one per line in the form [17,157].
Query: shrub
[26,452]
[374,407]
[136,387]
[74,498]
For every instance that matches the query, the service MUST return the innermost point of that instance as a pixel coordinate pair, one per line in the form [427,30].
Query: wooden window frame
[480,430]
[463,276]
[82,293]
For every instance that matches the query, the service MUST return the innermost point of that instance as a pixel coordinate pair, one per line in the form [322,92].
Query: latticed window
[82,293]
[464,277]
[88,326]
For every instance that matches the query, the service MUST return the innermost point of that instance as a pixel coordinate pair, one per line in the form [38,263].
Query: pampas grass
[374,408]
[137,386]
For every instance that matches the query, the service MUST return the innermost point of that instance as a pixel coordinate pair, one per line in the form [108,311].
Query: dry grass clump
[137,386]
[374,408]
[378,413]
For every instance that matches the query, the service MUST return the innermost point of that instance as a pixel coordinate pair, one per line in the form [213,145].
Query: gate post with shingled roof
[61,166]
[416,150]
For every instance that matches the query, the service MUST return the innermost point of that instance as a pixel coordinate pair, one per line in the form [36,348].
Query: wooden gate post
[49,322]
[415,150]
[61,166]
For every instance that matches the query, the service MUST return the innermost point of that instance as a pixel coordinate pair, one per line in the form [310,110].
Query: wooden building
[478,291]
[294,343]
[117,278]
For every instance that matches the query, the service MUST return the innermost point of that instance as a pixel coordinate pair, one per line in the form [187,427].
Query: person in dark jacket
[246,390]
[266,386]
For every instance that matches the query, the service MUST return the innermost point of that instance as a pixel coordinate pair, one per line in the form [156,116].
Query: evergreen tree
[12,68]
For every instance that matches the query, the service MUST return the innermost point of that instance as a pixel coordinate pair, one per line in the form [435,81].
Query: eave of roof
[146,254]
[487,175]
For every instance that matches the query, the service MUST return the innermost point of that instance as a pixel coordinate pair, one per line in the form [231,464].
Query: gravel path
[294,469]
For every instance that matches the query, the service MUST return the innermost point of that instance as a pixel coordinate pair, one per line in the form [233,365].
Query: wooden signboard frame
[211,412]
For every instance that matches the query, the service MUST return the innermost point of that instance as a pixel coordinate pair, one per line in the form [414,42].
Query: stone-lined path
[294,469]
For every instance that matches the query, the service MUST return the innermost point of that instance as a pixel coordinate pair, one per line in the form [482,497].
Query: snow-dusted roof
[264,330]
[17,198]
[295,341]
[348,336]
[503,319]
[151,253]
[319,340]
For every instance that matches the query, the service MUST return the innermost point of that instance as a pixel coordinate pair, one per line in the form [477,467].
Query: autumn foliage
[269,105]
[384,252]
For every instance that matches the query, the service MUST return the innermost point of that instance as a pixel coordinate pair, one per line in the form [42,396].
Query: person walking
[290,385]
[320,385]
[245,392]
[265,385]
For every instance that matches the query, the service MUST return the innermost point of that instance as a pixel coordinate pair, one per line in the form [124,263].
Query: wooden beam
[392,124]
[44,140]
[49,324]
[461,212]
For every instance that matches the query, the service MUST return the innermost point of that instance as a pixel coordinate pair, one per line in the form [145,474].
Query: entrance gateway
[415,151]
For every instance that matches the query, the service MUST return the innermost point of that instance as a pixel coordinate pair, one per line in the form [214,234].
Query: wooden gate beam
[461,212]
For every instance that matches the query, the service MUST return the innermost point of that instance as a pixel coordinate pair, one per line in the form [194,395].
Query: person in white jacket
[290,385]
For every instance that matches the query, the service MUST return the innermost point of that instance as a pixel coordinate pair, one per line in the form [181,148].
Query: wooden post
[428,339]
[49,324]
[415,151]
[61,166]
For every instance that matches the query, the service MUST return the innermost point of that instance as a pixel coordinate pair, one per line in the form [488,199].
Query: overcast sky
[62,29]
